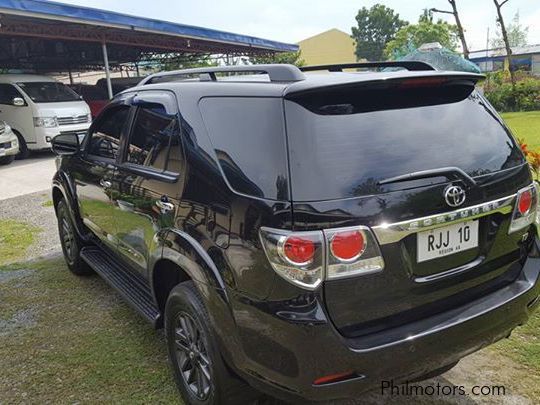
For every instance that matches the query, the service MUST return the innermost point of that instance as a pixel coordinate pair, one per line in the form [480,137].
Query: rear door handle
[105,183]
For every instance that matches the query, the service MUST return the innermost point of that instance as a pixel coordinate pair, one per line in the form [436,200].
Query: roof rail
[276,72]
[407,64]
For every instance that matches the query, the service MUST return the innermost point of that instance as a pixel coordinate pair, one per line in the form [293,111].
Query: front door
[149,182]
[94,173]
[18,117]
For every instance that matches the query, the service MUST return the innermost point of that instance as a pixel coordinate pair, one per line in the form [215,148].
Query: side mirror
[18,102]
[66,144]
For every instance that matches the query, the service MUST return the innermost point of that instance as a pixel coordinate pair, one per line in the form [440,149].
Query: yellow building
[332,46]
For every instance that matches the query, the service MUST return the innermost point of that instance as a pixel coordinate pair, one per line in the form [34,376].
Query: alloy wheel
[192,356]
[68,239]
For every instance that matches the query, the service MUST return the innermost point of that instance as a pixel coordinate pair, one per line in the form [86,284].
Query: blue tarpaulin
[82,15]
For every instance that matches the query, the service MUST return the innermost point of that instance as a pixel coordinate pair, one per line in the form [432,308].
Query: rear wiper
[451,173]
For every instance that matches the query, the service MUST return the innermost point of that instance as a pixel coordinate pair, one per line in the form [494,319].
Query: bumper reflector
[333,378]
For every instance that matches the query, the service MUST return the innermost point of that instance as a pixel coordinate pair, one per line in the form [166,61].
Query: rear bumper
[284,357]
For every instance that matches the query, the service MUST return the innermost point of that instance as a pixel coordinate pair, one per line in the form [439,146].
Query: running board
[131,287]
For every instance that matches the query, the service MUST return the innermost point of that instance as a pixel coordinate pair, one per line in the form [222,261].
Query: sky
[293,20]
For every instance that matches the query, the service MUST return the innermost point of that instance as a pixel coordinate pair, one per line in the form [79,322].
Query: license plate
[446,240]
[2,152]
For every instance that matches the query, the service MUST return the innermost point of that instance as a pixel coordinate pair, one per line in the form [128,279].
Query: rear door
[404,157]
[94,172]
[148,182]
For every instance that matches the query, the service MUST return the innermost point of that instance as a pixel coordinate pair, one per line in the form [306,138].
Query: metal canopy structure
[44,36]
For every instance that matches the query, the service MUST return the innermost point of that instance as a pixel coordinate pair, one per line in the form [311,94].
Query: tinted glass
[8,93]
[105,137]
[92,93]
[48,92]
[248,137]
[341,148]
[151,137]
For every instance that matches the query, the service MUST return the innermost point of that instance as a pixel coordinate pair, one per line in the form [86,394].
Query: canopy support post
[107,69]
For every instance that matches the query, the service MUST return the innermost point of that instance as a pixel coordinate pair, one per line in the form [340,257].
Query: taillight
[352,251]
[298,250]
[306,258]
[525,209]
[298,257]
[348,245]
[525,202]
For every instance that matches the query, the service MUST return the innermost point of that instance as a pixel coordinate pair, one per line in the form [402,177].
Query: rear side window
[341,146]
[249,140]
[153,132]
[105,136]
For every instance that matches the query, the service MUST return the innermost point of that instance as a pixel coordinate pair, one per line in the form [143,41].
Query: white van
[38,108]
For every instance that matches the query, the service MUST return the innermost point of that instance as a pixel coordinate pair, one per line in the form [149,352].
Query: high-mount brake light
[525,209]
[422,82]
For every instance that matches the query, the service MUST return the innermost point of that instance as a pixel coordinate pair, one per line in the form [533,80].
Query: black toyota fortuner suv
[306,235]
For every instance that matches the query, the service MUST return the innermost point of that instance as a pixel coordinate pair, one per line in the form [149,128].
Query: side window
[154,139]
[7,93]
[105,137]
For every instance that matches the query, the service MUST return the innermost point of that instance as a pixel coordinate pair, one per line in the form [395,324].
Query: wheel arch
[181,258]
[62,189]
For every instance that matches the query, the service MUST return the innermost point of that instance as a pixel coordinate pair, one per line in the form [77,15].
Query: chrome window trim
[394,232]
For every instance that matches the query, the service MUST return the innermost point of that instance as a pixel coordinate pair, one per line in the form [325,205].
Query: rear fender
[188,254]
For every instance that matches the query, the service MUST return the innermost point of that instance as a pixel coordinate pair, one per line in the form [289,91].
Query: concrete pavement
[27,176]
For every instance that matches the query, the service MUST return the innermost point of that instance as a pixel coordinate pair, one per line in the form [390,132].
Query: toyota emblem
[454,195]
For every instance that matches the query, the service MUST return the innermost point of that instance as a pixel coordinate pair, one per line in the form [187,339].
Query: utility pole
[500,20]
[461,33]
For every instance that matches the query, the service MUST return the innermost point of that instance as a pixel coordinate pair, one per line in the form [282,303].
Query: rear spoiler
[398,79]
[412,65]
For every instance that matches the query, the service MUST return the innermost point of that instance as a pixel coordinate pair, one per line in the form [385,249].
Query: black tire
[6,160]
[24,152]
[189,357]
[70,241]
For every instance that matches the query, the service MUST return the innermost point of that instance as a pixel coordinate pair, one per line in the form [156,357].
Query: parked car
[9,144]
[95,96]
[38,108]
[302,235]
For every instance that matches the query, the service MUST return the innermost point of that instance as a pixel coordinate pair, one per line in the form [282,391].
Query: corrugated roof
[85,15]
[493,53]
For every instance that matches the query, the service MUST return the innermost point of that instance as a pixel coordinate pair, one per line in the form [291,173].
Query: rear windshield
[341,147]
[48,92]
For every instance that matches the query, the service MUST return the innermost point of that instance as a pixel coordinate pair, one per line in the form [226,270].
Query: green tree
[375,27]
[291,58]
[516,33]
[426,30]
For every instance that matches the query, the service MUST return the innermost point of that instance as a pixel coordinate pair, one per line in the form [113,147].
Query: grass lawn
[525,125]
[67,339]
[15,238]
